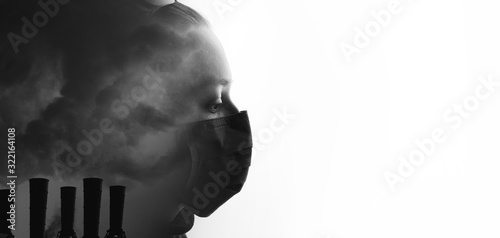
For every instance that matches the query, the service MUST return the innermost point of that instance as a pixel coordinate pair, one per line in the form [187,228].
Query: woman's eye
[214,108]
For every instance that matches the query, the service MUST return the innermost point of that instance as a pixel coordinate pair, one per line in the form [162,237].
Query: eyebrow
[223,81]
[211,80]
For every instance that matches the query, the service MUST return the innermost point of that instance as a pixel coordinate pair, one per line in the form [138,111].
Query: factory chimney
[68,196]
[117,201]
[92,188]
[38,206]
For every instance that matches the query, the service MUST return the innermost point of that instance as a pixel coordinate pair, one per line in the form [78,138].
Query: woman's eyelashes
[215,105]
[214,108]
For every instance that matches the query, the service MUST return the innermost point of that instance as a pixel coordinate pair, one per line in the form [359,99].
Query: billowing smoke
[95,87]
[54,225]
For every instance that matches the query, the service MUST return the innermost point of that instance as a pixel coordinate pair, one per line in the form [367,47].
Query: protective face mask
[221,151]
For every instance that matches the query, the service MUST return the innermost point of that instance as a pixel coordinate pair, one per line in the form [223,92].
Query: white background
[322,175]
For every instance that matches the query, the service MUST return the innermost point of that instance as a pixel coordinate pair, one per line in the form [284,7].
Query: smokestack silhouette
[117,201]
[92,188]
[38,206]
[4,208]
[68,196]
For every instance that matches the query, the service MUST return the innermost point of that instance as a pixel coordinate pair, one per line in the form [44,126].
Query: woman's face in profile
[200,84]
[195,86]
[102,91]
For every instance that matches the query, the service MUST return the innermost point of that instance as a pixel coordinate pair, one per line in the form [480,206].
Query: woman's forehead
[203,61]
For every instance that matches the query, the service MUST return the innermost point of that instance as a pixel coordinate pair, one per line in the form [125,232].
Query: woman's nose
[230,108]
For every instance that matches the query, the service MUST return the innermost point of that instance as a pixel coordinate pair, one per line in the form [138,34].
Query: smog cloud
[97,91]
